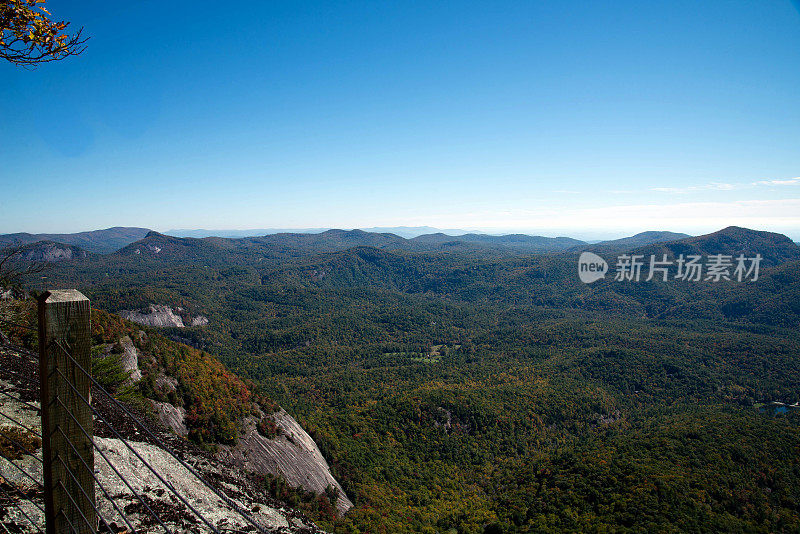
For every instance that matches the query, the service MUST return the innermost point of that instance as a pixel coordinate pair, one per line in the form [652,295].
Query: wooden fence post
[64,329]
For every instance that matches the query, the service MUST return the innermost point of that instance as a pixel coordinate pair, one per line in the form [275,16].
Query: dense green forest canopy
[470,390]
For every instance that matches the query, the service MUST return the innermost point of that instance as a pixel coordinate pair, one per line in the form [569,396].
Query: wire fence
[69,479]
[21,484]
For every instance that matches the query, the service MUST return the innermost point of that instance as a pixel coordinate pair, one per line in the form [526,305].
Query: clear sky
[560,117]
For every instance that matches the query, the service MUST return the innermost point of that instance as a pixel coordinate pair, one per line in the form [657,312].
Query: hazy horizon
[413,231]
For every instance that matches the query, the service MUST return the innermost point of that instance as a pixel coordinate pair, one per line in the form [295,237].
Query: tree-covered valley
[470,387]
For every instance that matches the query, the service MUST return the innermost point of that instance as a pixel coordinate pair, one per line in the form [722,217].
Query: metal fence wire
[68,479]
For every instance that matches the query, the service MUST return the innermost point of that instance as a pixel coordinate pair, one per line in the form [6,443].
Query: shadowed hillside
[98,241]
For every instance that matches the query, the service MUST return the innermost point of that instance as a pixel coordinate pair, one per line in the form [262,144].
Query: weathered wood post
[64,336]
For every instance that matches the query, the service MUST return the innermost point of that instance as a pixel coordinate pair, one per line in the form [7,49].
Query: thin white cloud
[788,181]
[723,186]
[713,186]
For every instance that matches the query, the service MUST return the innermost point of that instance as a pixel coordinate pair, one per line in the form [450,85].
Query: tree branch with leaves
[14,268]
[28,35]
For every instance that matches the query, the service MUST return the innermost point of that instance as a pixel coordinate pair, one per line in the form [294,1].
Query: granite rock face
[293,454]
[199,321]
[156,315]
[153,485]
[146,484]
[49,252]
[171,417]
[130,359]
[163,316]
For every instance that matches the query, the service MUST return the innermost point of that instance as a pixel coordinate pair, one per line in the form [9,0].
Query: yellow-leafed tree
[29,36]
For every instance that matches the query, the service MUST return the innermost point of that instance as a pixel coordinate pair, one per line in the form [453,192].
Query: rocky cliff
[50,252]
[21,501]
[154,315]
[292,453]
[162,316]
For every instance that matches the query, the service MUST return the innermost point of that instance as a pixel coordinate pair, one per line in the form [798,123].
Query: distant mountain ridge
[97,241]
[291,244]
[200,233]
[776,248]
[406,232]
[734,240]
[524,242]
[638,240]
[409,232]
[158,245]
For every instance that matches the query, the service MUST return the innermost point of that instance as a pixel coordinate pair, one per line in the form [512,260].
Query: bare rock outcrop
[23,515]
[166,384]
[199,321]
[50,252]
[130,359]
[292,454]
[171,417]
[163,316]
[146,484]
[156,315]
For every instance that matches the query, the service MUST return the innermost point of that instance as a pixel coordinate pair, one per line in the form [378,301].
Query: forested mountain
[156,245]
[638,240]
[200,233]
[732,241]
[98,241]
[199,244]
[460,392]
[520,243]
[286,245]
[211,265]
[413,231]
[333,240]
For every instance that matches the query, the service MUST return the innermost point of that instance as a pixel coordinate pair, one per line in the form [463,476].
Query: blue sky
[589,119]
